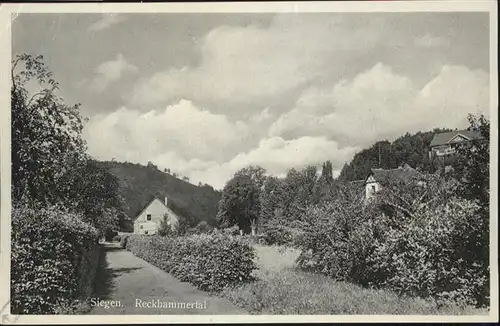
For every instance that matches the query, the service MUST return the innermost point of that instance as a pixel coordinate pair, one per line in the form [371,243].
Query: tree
[88,188]
[472,166]
[327,173]
[239,204]
[472,169]
[256,173]
[46,133]
[49,163]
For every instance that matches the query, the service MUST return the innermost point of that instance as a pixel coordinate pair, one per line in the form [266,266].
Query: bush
[337,238]
[277,235]
[117,238]
[210,262]
[54,259]
[123,241]
[434,255]
[425,242]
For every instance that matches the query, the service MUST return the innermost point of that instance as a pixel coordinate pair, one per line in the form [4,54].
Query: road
[129,285]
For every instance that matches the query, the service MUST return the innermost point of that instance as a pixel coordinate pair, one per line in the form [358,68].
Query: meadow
[281,288]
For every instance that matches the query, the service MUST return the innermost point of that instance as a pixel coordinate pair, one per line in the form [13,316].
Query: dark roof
[445,137]
[403,172]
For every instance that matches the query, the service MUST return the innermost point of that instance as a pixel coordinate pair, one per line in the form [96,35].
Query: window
[142,227]
[148,217]
[373,188]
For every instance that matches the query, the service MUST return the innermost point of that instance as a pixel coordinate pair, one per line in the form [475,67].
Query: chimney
[166,201]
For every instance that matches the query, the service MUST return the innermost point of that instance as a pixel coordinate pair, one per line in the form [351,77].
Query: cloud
[107,20]
[277,156]
[182,129]
[380,103]
[241,64]
[110,71]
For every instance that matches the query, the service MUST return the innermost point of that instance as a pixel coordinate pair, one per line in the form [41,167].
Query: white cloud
[107,20]
[240,64]
[380,104]
[182,130]
[277,156]
[110,71]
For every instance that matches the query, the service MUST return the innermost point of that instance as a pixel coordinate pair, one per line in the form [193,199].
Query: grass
[281,288]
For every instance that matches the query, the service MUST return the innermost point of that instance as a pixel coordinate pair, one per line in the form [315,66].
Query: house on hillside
[148,221]
[378,177]
[443,145]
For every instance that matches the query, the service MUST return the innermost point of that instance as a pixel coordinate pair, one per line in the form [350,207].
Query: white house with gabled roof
[148,221]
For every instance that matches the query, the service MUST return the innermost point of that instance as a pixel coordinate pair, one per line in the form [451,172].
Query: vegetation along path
[129,285]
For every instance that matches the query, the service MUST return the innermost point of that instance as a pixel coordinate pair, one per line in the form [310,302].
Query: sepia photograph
[249,162]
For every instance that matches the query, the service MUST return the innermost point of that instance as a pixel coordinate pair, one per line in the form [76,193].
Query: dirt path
[126,282]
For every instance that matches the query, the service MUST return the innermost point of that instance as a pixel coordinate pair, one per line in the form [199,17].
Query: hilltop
[139,184]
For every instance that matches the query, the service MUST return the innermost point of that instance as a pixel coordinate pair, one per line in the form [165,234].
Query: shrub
[434,255]
[117,238]
[337,238]
[54,259]
[210,262]
[419,240]
[277,235]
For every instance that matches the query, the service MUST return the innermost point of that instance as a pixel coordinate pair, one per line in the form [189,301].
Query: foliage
[201,228]
[433,254]
[94,192]
[338,237]
[473,164]
[140,184]
[277,234]
[240,203]
[210,262]
[46,133]
[417,236]
[166,229]
[54,257]
[412,149]
[282,289]
[49,163]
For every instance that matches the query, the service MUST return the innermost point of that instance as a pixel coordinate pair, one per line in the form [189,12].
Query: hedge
[210,262]
[54,259]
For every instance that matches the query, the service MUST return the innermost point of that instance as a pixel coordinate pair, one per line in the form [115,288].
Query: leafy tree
[49,163]
[472,166]
[166,229]
[90,189]
[46,133]
[256,173]
[239,204]
[472,169]
[327,173]
[412,149]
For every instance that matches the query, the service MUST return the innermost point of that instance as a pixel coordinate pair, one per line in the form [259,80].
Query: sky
[208,94]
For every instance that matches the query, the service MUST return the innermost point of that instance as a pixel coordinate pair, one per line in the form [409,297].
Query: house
[148,221]
[444,144]
[378,177]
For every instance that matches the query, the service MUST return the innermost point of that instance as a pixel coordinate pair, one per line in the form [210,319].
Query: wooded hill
[412,149]
[139,184]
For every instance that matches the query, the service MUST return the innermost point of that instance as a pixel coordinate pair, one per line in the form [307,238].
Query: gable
[371,179]
[458,139]
[157,209]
